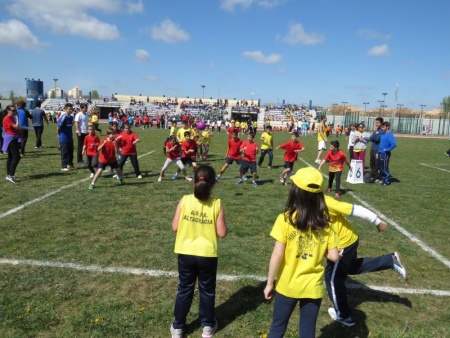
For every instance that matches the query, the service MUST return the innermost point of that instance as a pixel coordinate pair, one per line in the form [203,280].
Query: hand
[268,291]
[382,226]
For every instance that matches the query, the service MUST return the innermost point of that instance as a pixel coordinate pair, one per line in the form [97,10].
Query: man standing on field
[321,138]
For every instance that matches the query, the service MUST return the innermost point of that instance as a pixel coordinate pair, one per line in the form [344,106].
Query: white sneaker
[318,161]
[140,176]
[348,322]
[398,266]
[91,175]
[176,333]
[159,179]
[208,331]
[188,179]
[116,176]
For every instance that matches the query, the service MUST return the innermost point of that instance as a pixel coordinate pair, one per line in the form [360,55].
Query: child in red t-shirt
[127,145]
[233,153]
[292,148]
[91,143]
[188,150]
[173,156]
[107,150]
[336,159]
[249,148]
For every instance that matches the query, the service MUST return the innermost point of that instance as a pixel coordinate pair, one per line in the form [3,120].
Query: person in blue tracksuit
[387,144]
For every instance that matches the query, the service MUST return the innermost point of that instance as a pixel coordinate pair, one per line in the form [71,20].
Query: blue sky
[327,51]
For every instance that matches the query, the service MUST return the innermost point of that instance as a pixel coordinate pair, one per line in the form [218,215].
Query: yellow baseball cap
[306,176]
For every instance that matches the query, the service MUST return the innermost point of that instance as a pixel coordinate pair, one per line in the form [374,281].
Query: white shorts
[322,145]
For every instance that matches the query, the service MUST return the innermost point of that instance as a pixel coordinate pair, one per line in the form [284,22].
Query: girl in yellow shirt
[198,221]
[302,238]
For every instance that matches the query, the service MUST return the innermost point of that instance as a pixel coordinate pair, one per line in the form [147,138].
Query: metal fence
[406,124]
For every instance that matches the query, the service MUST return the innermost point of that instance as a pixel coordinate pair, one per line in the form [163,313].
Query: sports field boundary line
[431,166]
[397,226]
[220,277]
[43,197]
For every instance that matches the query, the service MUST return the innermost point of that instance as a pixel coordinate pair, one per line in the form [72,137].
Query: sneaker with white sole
[239,181]
[347,322]
[116,176]
[398,266]
[91,175]
[217,178]
[159,179]
[12,179]
[139,176]
[176,333]
[208,331]
[244,178]
[254,184]
[188,179]
[318,161]
[174,177]
[91,186]
[281,178]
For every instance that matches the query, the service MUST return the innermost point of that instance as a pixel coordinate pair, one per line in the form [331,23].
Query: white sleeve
[364,213]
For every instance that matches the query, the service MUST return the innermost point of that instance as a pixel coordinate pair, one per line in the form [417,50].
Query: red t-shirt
[234,148]
[250,152]
[108,152]
[290,155]
[174,154]
[188,145]
[117,133]
[126,143]
[8,122]
[336,161]
[91,143]
[230,131]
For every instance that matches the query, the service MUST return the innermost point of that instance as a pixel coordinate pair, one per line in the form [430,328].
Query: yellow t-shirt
[337,211]
[301,271]
[267,143]
[206,137]
[196,234]
[180,133]
[172,131]
[237,124]
[320,131]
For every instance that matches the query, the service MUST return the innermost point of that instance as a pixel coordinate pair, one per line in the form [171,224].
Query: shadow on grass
[246,299]
[39,176]
[360,293]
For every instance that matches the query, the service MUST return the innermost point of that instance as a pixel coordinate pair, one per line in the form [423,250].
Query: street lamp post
[56,80]
[344,103]
[381,104]
[203,87]
[384,100]
[365,107]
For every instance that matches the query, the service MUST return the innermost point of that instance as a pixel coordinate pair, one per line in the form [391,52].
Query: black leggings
[13,158]
[331,176]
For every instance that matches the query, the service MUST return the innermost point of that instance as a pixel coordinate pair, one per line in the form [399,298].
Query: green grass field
[85,234]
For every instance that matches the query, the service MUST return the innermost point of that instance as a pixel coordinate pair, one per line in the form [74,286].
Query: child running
[173,156]
[249,148]
[90,145]
[233,153]
[188,151]
[127,144]
[292,148]
[302,238]
[199,220]
[206,141]
[107,150]
[336,159]
[336,272]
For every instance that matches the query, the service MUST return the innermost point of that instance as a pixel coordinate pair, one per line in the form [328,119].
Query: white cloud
[258,56]
[380,50]
[170,32]
[141,55]
[297,34]
[151,78]
[70,17]
[373,35]
[135,7]
[230,5]
[14,32]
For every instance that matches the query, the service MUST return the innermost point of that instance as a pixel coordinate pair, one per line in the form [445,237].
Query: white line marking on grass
[432,166]
[228,278]
[405,232]
[26,204]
